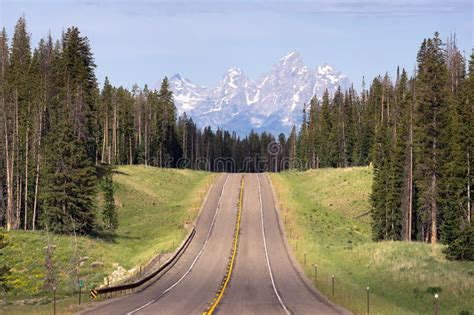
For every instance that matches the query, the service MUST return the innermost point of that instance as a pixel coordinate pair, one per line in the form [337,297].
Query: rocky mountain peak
[273,103]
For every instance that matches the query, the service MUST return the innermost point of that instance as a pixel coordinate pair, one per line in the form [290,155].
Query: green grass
[320,207]
[153,205]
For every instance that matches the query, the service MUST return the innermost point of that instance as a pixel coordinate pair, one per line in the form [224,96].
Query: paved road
[251,290]
[265,279]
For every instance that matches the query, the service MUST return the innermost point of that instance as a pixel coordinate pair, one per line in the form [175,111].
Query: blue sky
[141,41]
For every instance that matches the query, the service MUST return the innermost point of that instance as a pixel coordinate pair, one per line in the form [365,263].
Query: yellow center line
[234,252]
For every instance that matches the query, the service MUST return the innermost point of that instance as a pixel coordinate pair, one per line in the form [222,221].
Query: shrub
[463,247]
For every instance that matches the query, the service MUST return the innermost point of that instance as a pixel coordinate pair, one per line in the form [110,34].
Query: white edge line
[266,250]
[195,259]
[141,307]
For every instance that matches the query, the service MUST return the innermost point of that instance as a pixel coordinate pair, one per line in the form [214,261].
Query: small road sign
[93,294]
[81,283]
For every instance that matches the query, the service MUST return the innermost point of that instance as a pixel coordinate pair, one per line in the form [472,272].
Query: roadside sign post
[315,273]
[436,304]
[332,285]
[368,301]
[81,284]
[54,300]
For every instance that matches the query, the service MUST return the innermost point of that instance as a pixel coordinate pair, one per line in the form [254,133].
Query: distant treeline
[60,131]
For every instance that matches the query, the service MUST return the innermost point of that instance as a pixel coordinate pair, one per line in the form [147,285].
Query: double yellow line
[216,301]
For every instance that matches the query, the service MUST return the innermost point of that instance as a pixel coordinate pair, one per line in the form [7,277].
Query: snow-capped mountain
[273,103]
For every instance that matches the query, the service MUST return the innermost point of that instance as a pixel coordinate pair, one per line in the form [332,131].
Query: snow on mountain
[187,96]
[273,103]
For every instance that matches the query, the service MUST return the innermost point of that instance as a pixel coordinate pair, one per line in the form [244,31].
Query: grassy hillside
[153,205]
[326,215]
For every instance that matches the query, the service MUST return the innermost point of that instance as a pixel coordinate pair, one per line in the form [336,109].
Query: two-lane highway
[265,278]
[252,289]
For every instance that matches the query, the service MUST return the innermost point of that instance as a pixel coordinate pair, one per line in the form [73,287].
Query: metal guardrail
[142,281]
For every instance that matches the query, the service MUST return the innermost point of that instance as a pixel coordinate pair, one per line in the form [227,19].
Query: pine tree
[6,209]
[303,142]
[170,151]
[350,125]
[463,247]
[401,164]
[69,184]
[109,212]
[454,180]
[340,121]
[105,121]
[328,134]
[431,105]
[80,92]
[366,131]
[18,90]
[313,131]
[292,141]
[380,197]
[385,211]
[468,115]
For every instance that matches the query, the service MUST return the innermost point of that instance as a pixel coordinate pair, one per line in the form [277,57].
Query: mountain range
[273,103]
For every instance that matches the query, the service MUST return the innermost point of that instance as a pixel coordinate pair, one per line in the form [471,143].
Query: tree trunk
[105,139]
[184,139]
[130,149]
[9,164]
[114,131]
[161,154]
[146,138]
[344,150]
[16,223]
[433,210]
[468,188]
[38,163]
[410,184]
[26,171]
[433,188]
[139,124]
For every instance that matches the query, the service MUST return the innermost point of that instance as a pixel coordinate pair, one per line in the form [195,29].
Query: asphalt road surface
[265,278]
